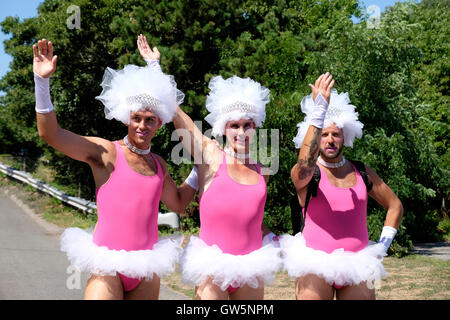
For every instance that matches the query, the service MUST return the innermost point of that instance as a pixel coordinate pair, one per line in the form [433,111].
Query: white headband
[138,88]
[234,99]
[340,112]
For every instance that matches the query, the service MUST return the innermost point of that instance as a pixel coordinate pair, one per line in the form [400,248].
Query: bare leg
[312,287]
[357,292]
[103,288]
[146,290]
[248,293]
[210,291]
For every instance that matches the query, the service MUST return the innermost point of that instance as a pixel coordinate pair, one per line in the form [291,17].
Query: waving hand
[44,62]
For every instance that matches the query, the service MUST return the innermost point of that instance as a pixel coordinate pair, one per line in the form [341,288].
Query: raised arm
[193,139]
[87,149]
[303,170]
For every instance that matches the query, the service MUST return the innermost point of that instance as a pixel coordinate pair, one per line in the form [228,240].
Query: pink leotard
[231,213]
[128,206]
[336,218]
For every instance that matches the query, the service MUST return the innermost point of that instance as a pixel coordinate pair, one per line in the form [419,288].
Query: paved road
[31,264]
[439,250]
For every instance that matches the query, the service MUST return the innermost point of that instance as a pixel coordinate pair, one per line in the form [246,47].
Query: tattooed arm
[303,170]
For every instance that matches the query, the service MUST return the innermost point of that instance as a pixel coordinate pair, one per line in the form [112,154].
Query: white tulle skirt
[339,267]
[84,254]
[200,261]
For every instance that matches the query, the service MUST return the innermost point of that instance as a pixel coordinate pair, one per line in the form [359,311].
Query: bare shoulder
[373,176]
[380,188]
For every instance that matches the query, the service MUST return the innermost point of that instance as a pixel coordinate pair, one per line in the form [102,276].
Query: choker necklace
[331,164]
[238,156]
[134,149]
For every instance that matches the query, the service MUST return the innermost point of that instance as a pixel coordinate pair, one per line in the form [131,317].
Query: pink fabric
[336,218]
[338,287]
[231,213]
[128,284]
[232,289]
[128,206]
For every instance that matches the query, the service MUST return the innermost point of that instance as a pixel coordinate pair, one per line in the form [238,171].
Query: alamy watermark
[73,281]
[261,151]
[74,20]
[374,20]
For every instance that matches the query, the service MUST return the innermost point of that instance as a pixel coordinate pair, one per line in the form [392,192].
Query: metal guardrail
[170,218]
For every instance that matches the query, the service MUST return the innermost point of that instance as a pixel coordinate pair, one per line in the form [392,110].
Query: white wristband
[153,64]
[387,235]
[192,179]
[42,94]
[321,101]
[320,109]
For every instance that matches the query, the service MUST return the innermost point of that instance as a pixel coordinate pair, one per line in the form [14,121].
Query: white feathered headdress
[138,88]
[340,112]
[234,99]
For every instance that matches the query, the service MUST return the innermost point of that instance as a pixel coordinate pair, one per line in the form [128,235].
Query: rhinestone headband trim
[239,106]
[144,100]
[333,112]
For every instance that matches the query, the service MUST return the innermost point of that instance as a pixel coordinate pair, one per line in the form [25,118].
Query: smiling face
[143,126]
[239,133]
[331,143]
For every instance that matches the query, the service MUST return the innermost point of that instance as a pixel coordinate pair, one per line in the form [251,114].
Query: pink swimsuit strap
[336,218]
[231,213]
[128,207]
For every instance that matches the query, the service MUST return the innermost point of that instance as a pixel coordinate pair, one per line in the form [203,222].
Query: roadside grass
[412,277]
[51,209]
[415,277]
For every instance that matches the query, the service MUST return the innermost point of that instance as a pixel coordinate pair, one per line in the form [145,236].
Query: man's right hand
[323,85]
[146,52]
[44,62]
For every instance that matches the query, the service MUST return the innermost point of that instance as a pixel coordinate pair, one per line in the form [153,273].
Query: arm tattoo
[308,165]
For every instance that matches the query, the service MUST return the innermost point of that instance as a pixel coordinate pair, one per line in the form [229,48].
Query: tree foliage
[397,76]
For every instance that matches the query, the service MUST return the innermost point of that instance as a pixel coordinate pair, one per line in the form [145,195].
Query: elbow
[182,206]
[48,134]
[179,207]
[43,134]
[400,209]
[178,210]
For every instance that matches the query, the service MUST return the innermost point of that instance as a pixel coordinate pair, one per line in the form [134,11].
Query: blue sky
[28,8]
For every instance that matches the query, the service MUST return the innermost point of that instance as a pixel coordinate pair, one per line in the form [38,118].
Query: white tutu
[84,254]
[339,267]
[200,261]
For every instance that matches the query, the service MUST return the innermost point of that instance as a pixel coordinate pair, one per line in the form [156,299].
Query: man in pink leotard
[124,256]
[229,259]
[333,255]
